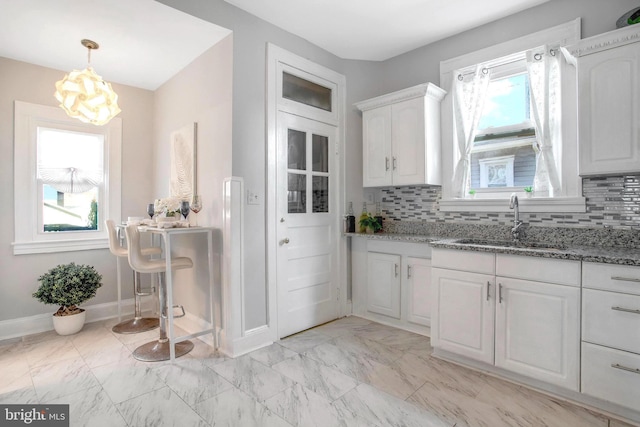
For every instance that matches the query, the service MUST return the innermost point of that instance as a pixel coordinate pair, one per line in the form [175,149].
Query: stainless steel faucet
[513,204]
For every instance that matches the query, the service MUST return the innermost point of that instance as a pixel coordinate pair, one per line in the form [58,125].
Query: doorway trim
[276,58]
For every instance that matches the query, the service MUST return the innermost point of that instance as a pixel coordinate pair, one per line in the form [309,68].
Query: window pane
[320,194]
[69,211]
[297,151]
[306,92]
[320,153]
[297,193]
[494,169]
[70,171]
[507,103]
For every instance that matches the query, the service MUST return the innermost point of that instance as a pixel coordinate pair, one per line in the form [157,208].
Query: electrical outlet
[252,198]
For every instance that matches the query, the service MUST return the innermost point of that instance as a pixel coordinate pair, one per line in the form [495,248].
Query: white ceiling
[143,43]
[377,30]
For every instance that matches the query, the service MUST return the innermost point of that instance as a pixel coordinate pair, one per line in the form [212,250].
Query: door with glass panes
[307,242]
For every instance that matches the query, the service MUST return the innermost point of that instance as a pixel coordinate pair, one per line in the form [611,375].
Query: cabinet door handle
[395,163]
[408,272]
[625,279]
[488,290]
[386,163]
[626,310]
[396,269]
[624,368]
[500,293]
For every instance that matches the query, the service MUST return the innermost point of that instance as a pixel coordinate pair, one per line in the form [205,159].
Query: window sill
[535,204]
[53,246]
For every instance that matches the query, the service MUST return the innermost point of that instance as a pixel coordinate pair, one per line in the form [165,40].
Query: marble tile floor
[350,372]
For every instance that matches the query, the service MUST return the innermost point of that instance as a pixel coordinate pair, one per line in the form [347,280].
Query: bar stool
[159,350]
[138,323]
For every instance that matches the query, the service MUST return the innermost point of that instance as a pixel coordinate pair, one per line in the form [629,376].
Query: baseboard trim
[253,339]
[21,326]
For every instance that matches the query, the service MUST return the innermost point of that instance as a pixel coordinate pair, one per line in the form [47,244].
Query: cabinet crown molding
[601,42]
[425,89]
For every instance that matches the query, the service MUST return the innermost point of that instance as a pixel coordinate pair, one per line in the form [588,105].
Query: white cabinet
[463,313]
[401,137]
[611,333]
[391,283]
[608,67]
[517,318]
[538,330]
[383,290]
[418,290]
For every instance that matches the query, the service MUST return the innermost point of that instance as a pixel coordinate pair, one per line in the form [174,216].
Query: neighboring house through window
[67,180]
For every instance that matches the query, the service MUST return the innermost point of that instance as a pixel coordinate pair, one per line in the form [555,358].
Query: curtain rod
[485,70]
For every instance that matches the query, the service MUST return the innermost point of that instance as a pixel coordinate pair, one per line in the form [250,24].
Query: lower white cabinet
[383,290]
[418,290]
[611,333]
[538,330]
[391,283]
[463,313]
[524,326]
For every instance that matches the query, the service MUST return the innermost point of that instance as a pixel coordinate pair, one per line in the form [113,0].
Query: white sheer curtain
[543,66]
[468,101]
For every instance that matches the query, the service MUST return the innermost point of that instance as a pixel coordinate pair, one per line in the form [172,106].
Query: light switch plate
[252,198]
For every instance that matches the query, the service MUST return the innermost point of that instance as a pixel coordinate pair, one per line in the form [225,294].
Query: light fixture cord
[89,56]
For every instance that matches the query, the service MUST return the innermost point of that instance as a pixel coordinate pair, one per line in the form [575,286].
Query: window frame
[29,238]
[571,199]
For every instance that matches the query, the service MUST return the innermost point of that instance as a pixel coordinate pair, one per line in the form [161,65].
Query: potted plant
[472,193]
[370,223]
[528,191]
[68,285]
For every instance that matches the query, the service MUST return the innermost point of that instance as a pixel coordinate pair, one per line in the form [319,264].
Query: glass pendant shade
[85,96]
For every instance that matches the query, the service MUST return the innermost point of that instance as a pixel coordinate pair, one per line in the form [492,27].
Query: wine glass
[184,208]
[196,205]
[151,210]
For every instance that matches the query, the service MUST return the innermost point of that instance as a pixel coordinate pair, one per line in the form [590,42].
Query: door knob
[284,241]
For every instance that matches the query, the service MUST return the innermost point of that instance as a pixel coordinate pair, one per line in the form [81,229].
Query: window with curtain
[510,122]
[505,119]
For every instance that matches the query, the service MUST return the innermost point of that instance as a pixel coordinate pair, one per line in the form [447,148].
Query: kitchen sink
[509,244]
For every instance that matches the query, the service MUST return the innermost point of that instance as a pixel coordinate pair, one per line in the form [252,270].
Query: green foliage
[472,191]
[68,285]
[92,219]
[528,189]
[369,221]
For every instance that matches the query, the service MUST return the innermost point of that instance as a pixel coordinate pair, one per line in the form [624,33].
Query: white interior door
[307,262]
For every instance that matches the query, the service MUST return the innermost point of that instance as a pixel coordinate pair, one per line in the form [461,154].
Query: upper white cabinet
[608,96]
[401,137]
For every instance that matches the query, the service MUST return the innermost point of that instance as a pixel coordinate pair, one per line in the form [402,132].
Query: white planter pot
[69,325]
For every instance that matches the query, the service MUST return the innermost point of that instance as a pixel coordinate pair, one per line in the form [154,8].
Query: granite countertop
[608,255]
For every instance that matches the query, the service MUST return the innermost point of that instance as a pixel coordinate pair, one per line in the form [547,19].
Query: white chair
[138,323]
[156,351]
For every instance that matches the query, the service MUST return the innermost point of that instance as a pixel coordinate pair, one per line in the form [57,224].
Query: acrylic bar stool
[159,350]
[138,323]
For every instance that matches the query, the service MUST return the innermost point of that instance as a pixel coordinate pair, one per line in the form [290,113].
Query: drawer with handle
[611,277]
[611,319]
[611,375]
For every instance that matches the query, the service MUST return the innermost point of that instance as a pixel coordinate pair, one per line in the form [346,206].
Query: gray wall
[19,274]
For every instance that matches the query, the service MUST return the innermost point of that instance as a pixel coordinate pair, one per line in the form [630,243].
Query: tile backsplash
[610,201]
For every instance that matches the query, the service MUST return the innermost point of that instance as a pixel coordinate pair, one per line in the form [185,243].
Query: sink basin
[508,244]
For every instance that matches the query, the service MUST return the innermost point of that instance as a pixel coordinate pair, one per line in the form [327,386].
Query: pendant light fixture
[85,96]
